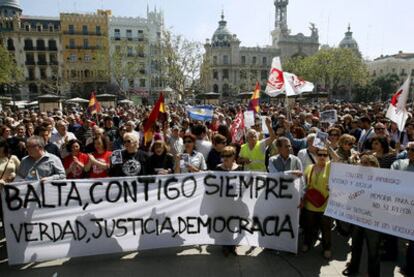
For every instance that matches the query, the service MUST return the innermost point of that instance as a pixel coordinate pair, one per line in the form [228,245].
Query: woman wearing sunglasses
[160,162]
[129,161]
[190,160]
[345,151]
[317,178]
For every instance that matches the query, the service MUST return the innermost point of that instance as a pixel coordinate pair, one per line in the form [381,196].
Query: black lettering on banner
[244,225]
[133,221]
[42,191]
[287,226]
[257,226]
[68,230]
[215,223]
[31,196]
[145,226]
[182,226]
[230,187]
[207,184]
[19,235]
[259,185]
[109,233]
[56,230]
[206,224]
[120,225]
[266,221]
[28,229]
[146,181]
[271,185]
[43,231]
[190,226]
[246,185]
[76,197]
[128,193]
[110,191]
[284,186]
[229,225]
[167,226]
[98,224]
[79,228]
[171,181]
[183,184]
[59,186]
[159,189]
[91,193]
[12,196]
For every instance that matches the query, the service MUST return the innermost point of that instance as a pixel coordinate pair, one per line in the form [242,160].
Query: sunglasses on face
[334,135]
[227,156]
[128,141]
[188,141]
[322,155]
[379,129]
[349,143]
[221,142]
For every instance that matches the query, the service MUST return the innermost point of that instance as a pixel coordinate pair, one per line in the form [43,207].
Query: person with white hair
[252,153]
[62,137]
[307,156]
[130,128]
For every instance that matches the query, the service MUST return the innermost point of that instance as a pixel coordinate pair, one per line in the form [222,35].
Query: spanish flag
[94,106]
[157,111]
[254,101]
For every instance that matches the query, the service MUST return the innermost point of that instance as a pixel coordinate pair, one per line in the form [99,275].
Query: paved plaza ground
[198,261]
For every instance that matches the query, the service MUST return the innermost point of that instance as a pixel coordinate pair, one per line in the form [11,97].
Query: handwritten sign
[72,218]
[374,198]
[249,119]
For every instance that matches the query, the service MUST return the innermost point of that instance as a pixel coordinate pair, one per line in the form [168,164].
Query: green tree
[332,68]
[8,67]
[181,61]
[387,84]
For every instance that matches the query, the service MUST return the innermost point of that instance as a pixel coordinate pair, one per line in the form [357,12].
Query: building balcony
[84,48]
[42,63]
[40,48]
[83,33]
[30,63]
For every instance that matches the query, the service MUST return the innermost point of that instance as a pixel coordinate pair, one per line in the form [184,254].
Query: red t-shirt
[78,172]
[97,172]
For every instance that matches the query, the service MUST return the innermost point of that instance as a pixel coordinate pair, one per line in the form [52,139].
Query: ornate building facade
[135,47]
[230,68]
[35,44]
[85,50]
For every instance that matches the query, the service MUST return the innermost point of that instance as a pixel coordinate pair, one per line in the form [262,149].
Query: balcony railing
[42,63]
[83,48]
[30,62]
[83,33]
[54,48]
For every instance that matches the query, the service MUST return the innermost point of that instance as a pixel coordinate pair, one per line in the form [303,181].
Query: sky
[379,26]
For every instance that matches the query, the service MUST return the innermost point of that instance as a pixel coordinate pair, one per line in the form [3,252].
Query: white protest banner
[248,119]
[374,198]
[330,116]
[264,126]
[73,218]
[320,139]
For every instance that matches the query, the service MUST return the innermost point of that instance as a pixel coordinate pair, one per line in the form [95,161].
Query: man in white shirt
[307,156]
[202,145]
[62,137]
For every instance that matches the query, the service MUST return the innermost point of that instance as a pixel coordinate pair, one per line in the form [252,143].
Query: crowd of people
[71,144]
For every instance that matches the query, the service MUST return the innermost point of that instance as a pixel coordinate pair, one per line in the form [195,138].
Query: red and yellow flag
[94,106]
[254,101]
[157,111]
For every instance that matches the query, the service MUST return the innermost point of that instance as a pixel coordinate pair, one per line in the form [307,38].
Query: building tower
[349,42]
[281,15]
[10,8]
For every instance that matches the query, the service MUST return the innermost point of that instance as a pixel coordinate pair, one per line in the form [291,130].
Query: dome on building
[10,4]
[348,41]
[222,36]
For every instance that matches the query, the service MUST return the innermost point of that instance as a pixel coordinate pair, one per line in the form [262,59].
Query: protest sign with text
[374,198]
[72,218]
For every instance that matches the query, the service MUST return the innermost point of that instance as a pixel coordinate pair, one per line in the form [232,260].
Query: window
[131,83]
[129,51]
[40,44]
[85,43]
[142,83]
[264,61]
[50,28]
[52,44]
[27,27]
[215,88]
[263,75]
[73,73]
[243,59]
[84,29]
[71,29]
[72,58]
[87,73]
[215,75]
[30,58]
[87,58]
[225,59]
[117,34]
[243,74]
[98,30]
[53,59]
[214,59]
[10,44]
[31,73]
[129,34]
[225,74]
[43,75]
[39,28]
[254,60]
[71,43]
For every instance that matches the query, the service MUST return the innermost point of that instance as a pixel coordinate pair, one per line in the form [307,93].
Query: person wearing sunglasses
[129,161]
[160,162]
[214,156]
[371,237]
[345,151]
[407,165]
[190,160]
[333,135]
[317,178]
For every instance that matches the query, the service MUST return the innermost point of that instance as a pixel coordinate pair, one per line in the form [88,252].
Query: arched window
[87,73]
[52,44]
[27,26]
[10,44]
[28,44]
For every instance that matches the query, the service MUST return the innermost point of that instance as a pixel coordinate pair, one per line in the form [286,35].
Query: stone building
[134,44]
[349,42]
[229,68]
[85,51]
[35,44]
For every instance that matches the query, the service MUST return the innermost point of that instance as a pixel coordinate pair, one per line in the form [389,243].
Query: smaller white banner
[248,119]
[320,139]
[374,198]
